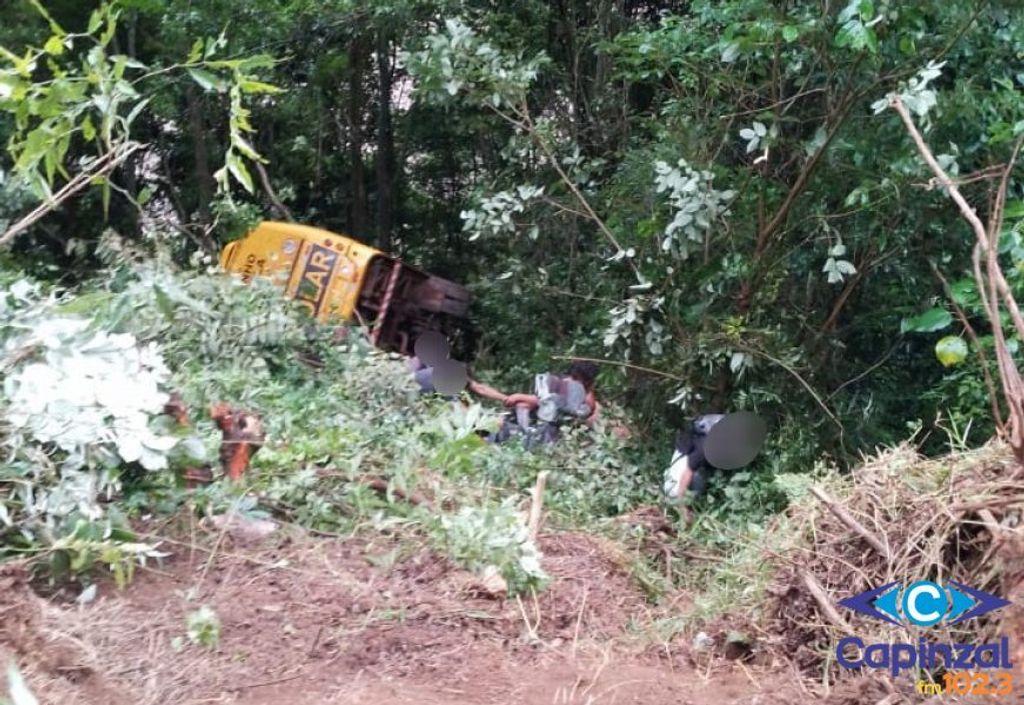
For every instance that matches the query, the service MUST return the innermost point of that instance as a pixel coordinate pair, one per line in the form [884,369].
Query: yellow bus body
[324,271]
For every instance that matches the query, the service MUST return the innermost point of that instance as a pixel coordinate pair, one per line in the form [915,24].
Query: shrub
[493,535]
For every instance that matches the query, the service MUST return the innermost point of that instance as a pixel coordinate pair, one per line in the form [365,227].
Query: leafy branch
[456,63]
[991,282]
[74,89]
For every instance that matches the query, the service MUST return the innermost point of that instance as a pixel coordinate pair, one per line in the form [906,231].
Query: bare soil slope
[308,620]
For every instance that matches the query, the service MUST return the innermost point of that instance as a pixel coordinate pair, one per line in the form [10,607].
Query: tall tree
[203,176]
[356,107]
[386,174]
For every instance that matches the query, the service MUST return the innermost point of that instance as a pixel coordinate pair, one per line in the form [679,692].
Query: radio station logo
[924,603]
[976,669]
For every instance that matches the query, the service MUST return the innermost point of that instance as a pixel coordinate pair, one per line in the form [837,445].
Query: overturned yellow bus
[338,278]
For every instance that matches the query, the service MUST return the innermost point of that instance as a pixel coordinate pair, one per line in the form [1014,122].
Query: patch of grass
[732,567]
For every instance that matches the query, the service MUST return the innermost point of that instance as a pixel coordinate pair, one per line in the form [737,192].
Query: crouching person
[687,474]
[557,400]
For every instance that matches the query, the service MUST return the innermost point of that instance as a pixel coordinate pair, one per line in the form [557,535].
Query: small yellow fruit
[951,350]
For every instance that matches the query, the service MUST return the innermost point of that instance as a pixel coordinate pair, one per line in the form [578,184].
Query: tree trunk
[385,146]
[128,171]
[357,211]
[205,183]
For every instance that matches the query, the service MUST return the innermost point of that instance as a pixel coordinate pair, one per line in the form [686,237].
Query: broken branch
[103,165]
[851,523]
[824,602]
[537,504]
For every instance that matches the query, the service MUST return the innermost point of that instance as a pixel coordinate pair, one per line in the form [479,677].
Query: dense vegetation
[85,422]
[710,196]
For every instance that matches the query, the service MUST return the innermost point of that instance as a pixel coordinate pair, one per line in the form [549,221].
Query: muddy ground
[308,620]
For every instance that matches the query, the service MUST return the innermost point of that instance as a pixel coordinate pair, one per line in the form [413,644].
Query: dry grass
[908,518]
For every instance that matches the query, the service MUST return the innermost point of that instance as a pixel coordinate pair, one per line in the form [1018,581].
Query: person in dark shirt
[688,471]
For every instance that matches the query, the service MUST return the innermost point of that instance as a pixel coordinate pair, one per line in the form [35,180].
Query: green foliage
[75,103]
[697,206]
[596,476]
[458,62]
[79,407]
[203,627]
[711,190]
[749,299]
[75,393]
[737,583]
[932,320]
[857,21]
[495,535]
[624,98]
[335,414]
[964,407]
[91,544]
[209,318]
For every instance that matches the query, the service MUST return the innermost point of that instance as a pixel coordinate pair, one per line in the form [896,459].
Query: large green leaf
[928,322]
[207,80]
[1014,209]
[964,292]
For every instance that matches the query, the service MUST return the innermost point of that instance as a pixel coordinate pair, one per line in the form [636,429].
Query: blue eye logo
[924,603]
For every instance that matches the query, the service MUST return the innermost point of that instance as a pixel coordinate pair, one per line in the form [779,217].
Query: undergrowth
[340,417]
[351,447]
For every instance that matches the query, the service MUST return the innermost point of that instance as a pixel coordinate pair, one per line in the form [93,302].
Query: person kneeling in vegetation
[557,399]
[689,469]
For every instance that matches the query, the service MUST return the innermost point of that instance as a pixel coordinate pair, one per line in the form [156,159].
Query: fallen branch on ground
[850,522]
[537,504]
[824,601]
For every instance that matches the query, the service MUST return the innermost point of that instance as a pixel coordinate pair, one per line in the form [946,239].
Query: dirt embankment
[310,621]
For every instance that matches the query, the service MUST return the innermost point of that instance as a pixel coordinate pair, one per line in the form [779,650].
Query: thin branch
[969,329]
[990,172]
[848,519]
[616,363]
[776,104]
[805,174]
[844,296]
[838,118]
[564,208]
[277,203]
[825,601]
[995,222]
[571,185]
[913,67]
[865,373]
[526,124]
[802,381]
[969,214]
[537,504]
[103,165]
[990,302]
[574,295]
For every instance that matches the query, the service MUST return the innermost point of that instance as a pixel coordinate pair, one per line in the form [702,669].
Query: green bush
[492,535]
